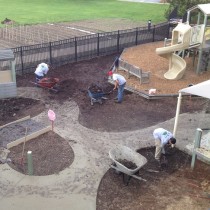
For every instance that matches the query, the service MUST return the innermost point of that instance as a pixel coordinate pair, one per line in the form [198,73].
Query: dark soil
[169,185]
[127,164]
[76,78]
[16,108]
[165,185]
[51,154]
[95,89]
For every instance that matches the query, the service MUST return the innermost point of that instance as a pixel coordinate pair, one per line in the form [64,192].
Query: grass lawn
[42,11]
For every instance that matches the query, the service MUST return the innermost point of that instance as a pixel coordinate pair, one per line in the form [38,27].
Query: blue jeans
[38,78]
[120,92]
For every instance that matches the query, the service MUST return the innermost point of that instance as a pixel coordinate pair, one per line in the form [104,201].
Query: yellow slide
[180,41]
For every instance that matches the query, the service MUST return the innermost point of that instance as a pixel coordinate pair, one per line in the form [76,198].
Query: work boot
[118,102]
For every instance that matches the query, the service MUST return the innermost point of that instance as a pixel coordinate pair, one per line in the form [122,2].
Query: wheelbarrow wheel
[115,170]
[100,101]
[126,179]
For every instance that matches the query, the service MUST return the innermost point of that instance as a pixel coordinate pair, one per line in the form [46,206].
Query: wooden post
[197,142]
[30,163]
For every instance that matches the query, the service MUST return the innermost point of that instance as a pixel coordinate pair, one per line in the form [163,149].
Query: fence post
[136,42]
[98,45]
[50,49]
[21,59]
[149,25]
[153,34]
[168,30]
[118,41]
[75,41]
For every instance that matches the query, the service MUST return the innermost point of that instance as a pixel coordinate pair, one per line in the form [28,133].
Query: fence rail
[61,52]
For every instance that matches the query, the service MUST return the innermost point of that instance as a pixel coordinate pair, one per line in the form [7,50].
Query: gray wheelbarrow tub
[125,153]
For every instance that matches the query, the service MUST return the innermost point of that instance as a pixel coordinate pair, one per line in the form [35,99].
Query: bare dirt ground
[16,108]
[13,36]
[167,187]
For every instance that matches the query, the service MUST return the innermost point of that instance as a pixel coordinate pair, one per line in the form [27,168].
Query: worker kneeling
[41,71]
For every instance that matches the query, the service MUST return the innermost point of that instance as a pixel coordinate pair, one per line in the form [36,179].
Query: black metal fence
[82,48]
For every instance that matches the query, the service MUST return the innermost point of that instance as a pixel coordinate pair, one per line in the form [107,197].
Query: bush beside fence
[86,47]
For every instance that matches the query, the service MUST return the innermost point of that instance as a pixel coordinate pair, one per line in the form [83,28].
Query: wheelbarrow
[98,95]
[122,153]
[48,83]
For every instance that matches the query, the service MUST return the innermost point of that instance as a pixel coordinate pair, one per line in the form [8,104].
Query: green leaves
[183,6]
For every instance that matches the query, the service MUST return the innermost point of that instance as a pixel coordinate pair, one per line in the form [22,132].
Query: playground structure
[194,35]
[8,87]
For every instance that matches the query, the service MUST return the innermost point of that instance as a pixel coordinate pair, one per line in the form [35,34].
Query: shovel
[107,93]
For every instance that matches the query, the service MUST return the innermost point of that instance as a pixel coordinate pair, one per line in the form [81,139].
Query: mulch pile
[51,154]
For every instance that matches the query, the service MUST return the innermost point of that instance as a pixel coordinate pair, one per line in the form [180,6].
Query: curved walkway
[76,187]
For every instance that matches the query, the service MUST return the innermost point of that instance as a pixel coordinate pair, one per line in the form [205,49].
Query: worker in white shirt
[162,138]
[120,83]
[41,71]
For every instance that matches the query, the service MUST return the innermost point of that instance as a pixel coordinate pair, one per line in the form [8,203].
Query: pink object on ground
[51,115]
[152,91]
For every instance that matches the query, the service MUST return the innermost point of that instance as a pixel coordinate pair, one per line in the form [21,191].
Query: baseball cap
[110,73]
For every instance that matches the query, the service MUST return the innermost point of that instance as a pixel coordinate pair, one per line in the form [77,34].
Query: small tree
[183,6]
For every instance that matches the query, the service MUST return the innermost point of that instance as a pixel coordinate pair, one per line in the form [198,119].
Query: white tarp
[201,89]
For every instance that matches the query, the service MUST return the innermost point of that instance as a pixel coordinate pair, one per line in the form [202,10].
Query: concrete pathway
[76,187]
